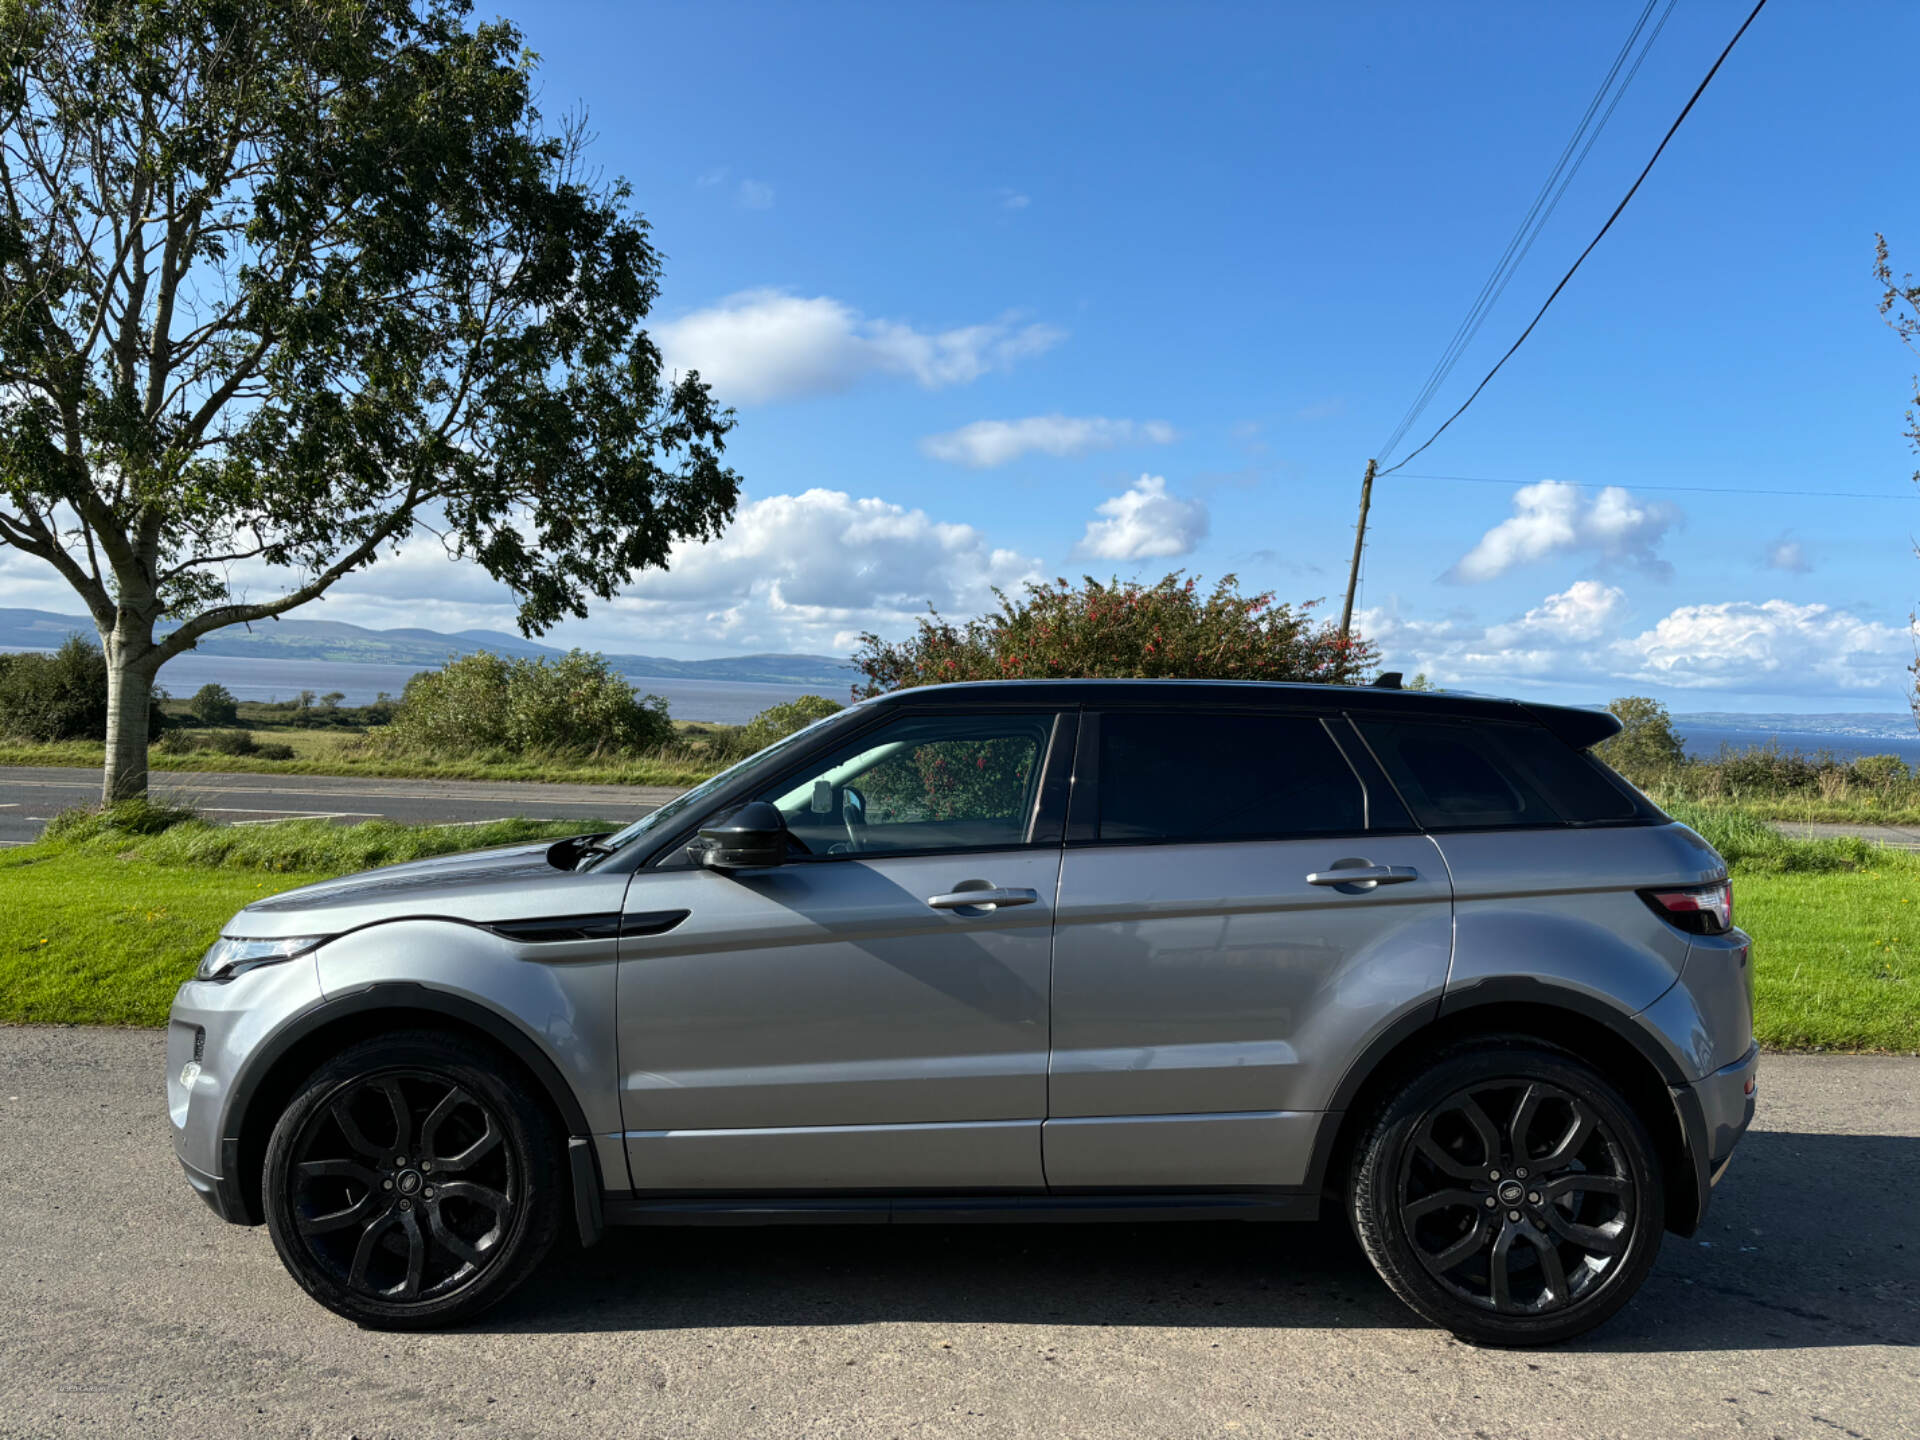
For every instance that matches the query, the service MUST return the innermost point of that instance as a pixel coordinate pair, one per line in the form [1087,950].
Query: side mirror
[751,838]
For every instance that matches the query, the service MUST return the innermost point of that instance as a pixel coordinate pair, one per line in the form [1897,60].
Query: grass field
[101,921]
[99,926]
[1836,956]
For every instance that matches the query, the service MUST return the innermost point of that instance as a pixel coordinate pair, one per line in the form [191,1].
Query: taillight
[1701,909]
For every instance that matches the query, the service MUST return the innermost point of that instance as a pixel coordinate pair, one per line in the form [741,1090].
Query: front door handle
[1365,875]
[985,899]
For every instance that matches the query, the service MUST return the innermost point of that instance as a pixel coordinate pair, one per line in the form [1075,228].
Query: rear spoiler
[1579,728]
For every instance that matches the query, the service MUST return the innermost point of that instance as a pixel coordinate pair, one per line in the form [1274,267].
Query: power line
[1669,489]
[1632,190]
[1531,224]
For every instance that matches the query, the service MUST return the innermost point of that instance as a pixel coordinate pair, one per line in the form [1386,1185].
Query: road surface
[131,1311]
[30,795]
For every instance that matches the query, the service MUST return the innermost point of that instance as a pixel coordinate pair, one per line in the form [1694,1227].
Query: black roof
[1575,726]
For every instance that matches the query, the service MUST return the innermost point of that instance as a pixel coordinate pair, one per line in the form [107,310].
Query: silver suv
[1100,950]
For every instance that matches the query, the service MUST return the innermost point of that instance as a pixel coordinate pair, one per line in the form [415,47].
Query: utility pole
[1359,544]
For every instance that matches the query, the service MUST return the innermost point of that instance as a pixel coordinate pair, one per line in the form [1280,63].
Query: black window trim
[1083,816]
[1043,820]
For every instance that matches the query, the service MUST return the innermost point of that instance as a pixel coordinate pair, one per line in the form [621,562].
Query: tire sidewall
[1373,1193]
[526,1130]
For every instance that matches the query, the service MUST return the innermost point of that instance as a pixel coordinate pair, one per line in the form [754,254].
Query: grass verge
[102,920]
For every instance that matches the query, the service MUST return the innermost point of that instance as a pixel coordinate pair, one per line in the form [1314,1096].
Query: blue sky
[1003,291]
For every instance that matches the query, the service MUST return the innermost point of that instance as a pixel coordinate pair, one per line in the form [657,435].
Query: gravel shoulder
[131,1310]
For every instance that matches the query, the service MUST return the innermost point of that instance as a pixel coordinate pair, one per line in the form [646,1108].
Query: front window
[700,794]
[922,783]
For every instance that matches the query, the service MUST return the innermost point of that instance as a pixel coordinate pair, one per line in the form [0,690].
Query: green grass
[1836,956]
[106,915]
[102,920]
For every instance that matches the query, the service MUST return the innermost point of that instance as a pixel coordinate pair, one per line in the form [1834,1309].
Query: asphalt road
[130,1310]
[1900,837]
[30,796]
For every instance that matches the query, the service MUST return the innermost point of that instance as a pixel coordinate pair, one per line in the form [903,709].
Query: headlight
[232,955]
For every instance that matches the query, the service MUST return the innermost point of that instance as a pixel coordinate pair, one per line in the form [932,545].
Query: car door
[1214,974]
[851,1019]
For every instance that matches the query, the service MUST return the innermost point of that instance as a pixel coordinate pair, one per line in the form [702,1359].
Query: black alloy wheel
[408,1185]
[1516,1197]
[1510,1194]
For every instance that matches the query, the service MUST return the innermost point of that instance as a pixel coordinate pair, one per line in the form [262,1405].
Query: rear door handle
[967,899]
[1365,874]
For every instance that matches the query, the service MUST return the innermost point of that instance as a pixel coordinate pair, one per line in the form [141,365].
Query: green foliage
[1881,772]
[62,696]
[1646,747]
[111,825]
[484,703]
[1121,629]
[1751,846]
[951,780]
[779,721]
[214,705]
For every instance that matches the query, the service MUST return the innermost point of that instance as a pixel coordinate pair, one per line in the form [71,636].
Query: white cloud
[1788,555]
[1772,645]
[1554,517]
[810,572]
[986,443]
[764,345]
[1581,640]
[1014,200]
[754,195]
[1144,523]
[1585,610]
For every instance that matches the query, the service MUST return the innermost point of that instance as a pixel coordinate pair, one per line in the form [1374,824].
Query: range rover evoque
[1092,950]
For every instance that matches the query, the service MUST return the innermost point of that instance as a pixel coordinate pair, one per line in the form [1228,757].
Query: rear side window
[1460,776]
[1199,777]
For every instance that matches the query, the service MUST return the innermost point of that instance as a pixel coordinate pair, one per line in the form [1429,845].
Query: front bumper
[211,1032]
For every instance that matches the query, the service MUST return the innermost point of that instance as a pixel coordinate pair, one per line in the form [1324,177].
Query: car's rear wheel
[1510,1194]
[409,1185]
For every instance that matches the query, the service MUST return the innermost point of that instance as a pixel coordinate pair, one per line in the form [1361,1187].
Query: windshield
[706,789]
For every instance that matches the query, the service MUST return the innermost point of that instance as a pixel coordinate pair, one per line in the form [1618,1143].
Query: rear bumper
[1714,1113]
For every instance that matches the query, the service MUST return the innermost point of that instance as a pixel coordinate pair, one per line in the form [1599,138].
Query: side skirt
[958,1209]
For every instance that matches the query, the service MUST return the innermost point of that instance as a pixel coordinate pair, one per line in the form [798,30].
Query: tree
[1121,629]
[62,696]
[777,722]
[214,705]
[1900,308]
[1646,746]
[282,284]
[573,704]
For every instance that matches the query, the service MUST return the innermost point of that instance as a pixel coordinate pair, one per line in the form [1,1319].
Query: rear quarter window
[1464,775]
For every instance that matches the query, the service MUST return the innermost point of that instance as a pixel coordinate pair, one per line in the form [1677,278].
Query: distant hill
[335,640]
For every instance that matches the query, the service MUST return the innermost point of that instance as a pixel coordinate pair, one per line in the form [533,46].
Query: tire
[411,1183]
[1577,1209]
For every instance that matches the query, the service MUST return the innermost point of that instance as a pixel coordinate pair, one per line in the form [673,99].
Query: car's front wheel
[1510,1194]
[409,1184]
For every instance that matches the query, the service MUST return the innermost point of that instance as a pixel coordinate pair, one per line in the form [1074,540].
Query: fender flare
[1694,1185]
[383,997]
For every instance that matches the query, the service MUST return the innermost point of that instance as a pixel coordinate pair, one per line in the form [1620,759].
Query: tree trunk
[130,670]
